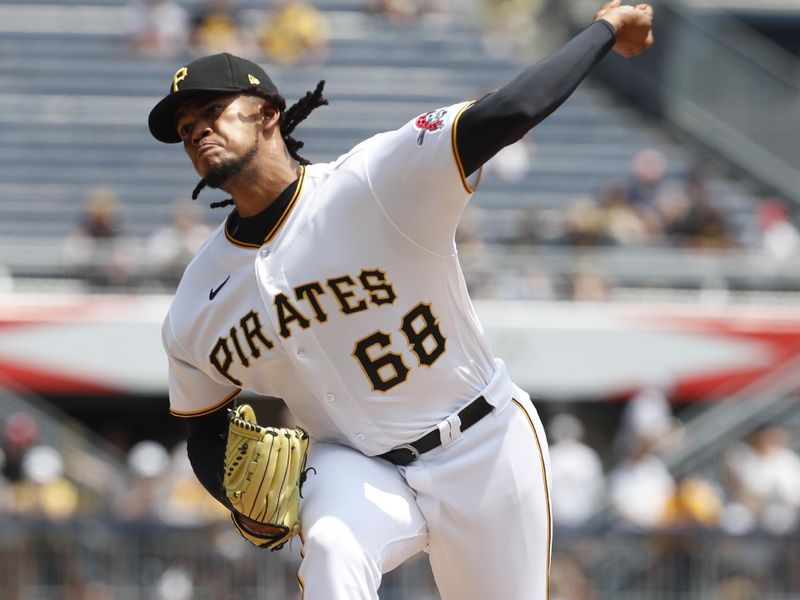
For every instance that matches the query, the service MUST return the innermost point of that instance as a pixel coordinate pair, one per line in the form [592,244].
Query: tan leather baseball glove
[264,471]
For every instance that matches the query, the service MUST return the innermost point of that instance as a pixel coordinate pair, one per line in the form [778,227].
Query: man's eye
[185,131]
[213,109]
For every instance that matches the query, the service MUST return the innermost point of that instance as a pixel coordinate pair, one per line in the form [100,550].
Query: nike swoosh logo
[213,293]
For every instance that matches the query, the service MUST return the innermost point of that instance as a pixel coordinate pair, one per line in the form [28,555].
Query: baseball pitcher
[337,287]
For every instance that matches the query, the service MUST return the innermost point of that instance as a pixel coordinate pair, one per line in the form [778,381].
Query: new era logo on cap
[216,73]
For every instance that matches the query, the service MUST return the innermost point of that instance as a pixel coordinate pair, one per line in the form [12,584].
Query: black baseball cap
[216,73]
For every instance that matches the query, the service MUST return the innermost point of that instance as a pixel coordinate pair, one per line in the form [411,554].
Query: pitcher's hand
[633,24]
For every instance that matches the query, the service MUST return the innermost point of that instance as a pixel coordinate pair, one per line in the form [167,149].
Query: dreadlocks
[296,115]
[289,119]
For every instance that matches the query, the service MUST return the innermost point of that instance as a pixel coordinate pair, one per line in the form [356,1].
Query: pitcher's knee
[330,545]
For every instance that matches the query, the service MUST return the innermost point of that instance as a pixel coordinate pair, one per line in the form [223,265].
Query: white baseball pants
[480,508]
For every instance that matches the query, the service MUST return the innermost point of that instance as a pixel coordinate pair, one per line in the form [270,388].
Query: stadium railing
[128,561]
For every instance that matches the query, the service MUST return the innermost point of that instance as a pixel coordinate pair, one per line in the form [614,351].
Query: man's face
[220,134]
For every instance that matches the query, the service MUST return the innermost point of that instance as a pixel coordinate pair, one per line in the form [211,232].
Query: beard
[220,173]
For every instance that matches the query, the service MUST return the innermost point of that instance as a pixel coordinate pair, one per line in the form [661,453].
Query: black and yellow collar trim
[249,232]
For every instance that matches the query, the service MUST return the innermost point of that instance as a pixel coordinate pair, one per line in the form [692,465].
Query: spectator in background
[170,248]
[648,170]
[705,222]
[641,487]
[647,417]
[764,477]
[608,220]
[648,211]
[295,32]
[400,11]
[149,462]
[647,179]
[175,583]
[779,236]
[44,491]
[696,503]
[585,225]
[512,163]
[18,435]
[691,218]
[578,479]
[97,251]
[156,27]
[622,225]
[101,215]
[668,214]
[214,29]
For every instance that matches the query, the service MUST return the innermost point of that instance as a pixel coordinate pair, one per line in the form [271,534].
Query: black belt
[408,453]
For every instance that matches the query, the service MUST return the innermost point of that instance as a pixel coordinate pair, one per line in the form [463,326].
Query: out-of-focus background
[634,259]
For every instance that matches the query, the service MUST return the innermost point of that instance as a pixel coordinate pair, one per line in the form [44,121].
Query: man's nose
[201,130]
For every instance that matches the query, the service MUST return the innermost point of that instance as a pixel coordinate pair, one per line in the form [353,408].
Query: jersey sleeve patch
[429,123]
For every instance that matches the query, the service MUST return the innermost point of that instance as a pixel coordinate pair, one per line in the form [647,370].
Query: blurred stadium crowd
[611,489]
[614,497]
[563,188]
[644,208]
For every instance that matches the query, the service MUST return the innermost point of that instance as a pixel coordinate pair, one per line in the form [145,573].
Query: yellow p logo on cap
[252,80]
[179,76]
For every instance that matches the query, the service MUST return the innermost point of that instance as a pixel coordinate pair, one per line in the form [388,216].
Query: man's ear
[270,113]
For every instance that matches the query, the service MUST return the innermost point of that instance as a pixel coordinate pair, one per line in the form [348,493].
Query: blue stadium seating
[73,110]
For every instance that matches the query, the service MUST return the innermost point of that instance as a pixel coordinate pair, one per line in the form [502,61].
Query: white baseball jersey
[353,309]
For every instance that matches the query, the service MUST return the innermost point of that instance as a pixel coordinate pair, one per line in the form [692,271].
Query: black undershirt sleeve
[206,448]
[503,117]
